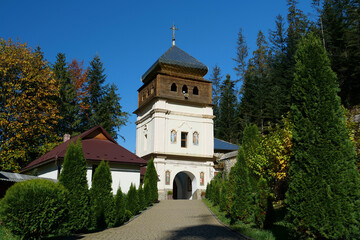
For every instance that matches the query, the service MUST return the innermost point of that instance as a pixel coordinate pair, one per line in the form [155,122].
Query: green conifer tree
[227,117]
[324,189]
[141,194]
[242,202]
[119,210]
[132,200]
[150,183]
[73,177]
[102,197]
[104,102]
[68,107]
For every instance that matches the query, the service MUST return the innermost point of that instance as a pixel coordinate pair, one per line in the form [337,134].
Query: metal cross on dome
[174,29]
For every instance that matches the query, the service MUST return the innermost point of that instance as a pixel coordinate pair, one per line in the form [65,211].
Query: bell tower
[175,124]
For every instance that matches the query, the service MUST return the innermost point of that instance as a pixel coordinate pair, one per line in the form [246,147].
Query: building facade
[175,124]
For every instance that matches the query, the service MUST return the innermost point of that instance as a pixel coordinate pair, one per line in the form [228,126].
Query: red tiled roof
[94,150]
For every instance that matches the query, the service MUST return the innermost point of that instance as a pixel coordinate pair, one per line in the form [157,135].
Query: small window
[184,89]
[173,87]
[196,91]
[202,178]
[184,139]
[152,90]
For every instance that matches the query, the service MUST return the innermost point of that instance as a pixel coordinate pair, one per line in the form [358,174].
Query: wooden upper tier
[177,76]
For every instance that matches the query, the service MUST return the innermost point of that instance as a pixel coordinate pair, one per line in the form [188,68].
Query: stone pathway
[176,219]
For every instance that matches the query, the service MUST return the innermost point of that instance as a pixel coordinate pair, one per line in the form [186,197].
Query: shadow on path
[209,232]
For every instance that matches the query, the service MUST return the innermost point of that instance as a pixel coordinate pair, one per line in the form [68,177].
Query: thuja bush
[150,183]
[119,210]
[132,200]
[34,209]
[102,201]
[73,177]
[242,201]
[141,195]
[324,188]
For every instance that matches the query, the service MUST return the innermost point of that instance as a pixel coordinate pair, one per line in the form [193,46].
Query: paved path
[176,219]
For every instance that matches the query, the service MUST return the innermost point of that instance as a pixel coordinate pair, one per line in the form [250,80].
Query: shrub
[132,200]
[224,200]
[150,180]
[128,215]
[141,195]
[35,208]
[242,202]
[73,177]
[102,201]
[119,209]
[324,188]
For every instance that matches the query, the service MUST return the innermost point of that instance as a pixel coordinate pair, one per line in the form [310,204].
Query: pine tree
[68,107]
[240,62]
[73,177]
[102,197]
[227,115]
[242,202]
[323,196]
[150,183]
[119,210]
[342,33]
[216,81]
[104,102]
[254,107]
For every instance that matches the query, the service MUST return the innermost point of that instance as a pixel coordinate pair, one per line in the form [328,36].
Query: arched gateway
[175,124]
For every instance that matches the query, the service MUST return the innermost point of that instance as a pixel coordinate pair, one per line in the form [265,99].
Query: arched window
[167,177]
[196,138]
[196,91]
[184,89]
[173,87]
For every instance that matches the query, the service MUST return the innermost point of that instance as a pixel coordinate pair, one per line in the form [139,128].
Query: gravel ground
[173,219]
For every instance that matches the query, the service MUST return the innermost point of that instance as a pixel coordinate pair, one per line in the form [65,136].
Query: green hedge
[35,208]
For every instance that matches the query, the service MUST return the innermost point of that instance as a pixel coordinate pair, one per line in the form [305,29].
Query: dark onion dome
[175,61]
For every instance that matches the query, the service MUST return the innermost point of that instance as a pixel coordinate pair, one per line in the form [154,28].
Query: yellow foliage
[28,109]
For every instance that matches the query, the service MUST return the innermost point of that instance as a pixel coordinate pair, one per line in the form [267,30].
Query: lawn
[277,232]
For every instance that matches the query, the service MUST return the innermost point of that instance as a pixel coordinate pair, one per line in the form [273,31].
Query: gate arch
[184,185]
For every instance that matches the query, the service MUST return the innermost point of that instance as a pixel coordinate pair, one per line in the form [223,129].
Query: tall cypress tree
[324,189]
[68,107]
[150,183]
[227,114]
[241,206]
[102,201]
[73,177]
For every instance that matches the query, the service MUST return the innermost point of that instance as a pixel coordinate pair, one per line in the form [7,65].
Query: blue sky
[130,35]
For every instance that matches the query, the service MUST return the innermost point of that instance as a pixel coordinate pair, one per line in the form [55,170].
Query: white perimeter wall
[122,175]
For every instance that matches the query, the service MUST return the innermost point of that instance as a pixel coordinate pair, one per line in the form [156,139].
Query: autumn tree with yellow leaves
[28,109]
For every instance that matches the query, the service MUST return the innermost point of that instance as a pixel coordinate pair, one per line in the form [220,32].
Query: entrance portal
[184,185]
